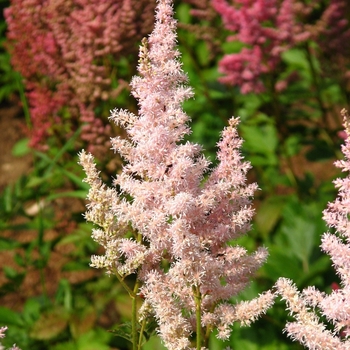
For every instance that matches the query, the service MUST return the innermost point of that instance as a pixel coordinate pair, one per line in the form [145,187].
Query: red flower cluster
[267,28]
[67,51]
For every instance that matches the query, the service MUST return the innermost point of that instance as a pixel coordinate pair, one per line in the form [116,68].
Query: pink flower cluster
[306,306]
[67,52]
[168,219]
[267,28]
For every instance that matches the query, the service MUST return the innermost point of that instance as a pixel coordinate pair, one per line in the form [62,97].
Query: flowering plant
[168,220]
[306,306]
[68,53]
[269,28]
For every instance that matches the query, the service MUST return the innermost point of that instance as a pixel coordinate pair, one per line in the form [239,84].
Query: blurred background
[283,66]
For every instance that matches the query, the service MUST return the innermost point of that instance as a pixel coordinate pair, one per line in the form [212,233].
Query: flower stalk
[183,214]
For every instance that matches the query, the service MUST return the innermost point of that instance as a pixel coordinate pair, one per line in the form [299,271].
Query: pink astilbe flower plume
[306,306]
[178,211]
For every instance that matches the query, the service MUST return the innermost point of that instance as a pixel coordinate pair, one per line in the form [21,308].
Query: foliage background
[49,296]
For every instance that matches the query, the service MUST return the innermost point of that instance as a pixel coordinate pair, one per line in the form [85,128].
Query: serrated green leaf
[124,331]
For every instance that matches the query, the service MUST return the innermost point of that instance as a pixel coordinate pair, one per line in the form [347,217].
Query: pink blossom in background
[268,28]
[306,306]
[181,215]
[67,53]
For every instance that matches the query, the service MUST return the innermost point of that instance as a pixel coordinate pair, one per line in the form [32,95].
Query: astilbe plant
[309,305]
[67,52]
[268,28]
[264,44]
[168,220]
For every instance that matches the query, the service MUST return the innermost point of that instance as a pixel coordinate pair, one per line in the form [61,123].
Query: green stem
[126,287]
[316,82]
[133,296]
[198,301]
[143,325]
[134,317]
[23,99]
[136,341]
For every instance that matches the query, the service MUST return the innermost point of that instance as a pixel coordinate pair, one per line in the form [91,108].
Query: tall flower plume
[168,218]
[307,306]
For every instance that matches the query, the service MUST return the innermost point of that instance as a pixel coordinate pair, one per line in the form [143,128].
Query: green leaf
[71,194]
[94,339]
[296,58]
[65,346]
[150,329]
[123,331]
[292,145]
[281,264]
[269,213]
[9,317]
[21,148]
[232,46]
[183,13]
[75,266]
[8,244]
[7,199]
[11,273]
[318,269]
[301,228]
[32,309]
[35,181]
[260,142]
[64,295]
[154,343]
[78,181]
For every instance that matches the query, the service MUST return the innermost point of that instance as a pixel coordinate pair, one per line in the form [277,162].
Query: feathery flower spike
[178,211]
[306,306]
